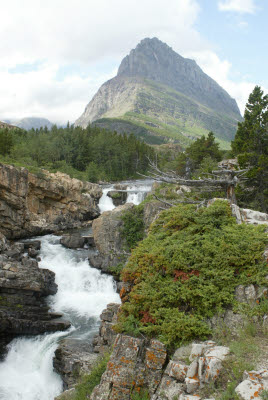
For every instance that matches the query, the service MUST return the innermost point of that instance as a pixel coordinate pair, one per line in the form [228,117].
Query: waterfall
[83,292]
[106,203]
[136,192]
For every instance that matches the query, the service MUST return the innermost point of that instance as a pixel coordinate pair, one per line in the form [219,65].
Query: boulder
[118,197]
[135,363]
[72,359]
[254,382]
[108,238]
[73,241]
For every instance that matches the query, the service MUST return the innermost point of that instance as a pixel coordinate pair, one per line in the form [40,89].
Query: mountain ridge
[170,96]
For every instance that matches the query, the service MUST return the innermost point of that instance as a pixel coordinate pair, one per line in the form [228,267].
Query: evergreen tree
[251,147]
[201,148]
[6,141]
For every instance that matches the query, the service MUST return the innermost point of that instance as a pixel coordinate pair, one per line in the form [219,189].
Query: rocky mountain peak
[161,96]
[152,59]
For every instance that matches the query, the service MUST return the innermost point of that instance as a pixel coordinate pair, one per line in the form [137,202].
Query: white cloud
[240,6]
[88,33]
[39,94]
[84,32]
[242,24]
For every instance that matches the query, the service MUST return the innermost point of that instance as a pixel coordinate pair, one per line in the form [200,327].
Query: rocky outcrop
[106,336]
[73,358]
[135,363]
[4,125]
[108,238]
[151,211]
[23,290]
[37,204]
[138,363]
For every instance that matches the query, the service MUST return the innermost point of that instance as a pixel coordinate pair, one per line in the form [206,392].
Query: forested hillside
[89,154]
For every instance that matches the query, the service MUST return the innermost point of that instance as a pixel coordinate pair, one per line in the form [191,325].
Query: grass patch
[142,395]
[264,395]
[246,351]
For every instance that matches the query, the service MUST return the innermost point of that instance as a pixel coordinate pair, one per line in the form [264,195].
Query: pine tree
[251,147]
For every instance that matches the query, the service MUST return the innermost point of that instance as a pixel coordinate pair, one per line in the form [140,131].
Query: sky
[55,54]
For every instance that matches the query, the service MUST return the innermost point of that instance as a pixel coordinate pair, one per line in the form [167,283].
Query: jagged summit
[155,60]
[164,94]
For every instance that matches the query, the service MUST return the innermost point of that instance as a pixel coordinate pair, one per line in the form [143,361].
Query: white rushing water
[83,292]
[136,192]
[106,203]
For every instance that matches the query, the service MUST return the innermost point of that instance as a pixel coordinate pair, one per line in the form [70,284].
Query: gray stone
[72,359]
[73,241]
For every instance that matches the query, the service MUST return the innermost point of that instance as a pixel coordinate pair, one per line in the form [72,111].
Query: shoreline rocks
[74,357]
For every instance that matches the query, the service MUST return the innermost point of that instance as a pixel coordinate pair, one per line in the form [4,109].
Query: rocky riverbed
[24,288]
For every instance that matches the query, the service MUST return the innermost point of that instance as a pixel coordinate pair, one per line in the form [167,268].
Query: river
[83,292]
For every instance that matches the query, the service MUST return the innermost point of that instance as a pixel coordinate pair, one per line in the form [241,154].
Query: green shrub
[88,382]
[187,269]
[133,227]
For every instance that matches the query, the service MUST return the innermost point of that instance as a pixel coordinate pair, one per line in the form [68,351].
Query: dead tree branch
[221,179]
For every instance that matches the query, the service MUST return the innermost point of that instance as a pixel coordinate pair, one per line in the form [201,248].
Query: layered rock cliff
[163,94]
[37,204]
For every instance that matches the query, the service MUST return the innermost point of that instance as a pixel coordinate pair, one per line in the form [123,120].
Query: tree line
[250,147]
[92,154]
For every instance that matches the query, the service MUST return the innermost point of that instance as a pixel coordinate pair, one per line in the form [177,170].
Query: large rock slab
[72,359]
[108,238]
[135,363]
[37,204]
[253,384]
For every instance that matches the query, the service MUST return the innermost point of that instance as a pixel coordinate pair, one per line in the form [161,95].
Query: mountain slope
[166,94]
[4,125]
[33,122]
